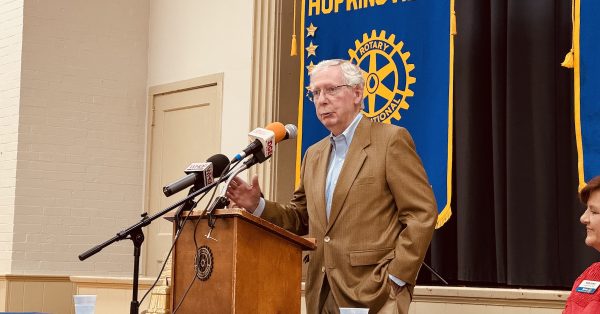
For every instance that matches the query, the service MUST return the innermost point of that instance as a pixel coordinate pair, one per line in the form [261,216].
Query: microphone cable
[221,179]
[164,264]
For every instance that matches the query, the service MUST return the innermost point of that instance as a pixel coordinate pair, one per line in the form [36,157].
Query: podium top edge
[304,243]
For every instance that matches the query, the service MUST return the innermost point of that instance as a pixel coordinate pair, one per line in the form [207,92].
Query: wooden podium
[251,266]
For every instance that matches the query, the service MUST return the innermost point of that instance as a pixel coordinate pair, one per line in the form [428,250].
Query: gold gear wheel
[367,51]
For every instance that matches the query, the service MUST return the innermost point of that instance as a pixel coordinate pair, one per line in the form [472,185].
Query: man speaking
[363,195]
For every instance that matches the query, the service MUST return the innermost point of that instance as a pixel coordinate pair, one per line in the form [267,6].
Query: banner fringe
[443,217]
[453,23]
[569,61]
[294,49]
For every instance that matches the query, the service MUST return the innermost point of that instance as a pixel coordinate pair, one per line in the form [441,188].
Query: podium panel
[247,266]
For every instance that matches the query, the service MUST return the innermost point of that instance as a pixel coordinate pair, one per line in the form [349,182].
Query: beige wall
[81,139]
[54,294]
[81,116]
[48,294]
[11,26]
[191,38]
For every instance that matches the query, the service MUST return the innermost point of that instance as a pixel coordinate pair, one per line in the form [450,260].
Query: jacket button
[327,239]
[322,269]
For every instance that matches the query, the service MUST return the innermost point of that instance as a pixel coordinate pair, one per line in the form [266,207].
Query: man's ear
[358,94]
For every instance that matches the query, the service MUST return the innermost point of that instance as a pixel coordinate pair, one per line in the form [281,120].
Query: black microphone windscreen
[219,162]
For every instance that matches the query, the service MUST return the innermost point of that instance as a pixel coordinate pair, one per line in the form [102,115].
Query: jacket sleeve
[415,202]
[293,216]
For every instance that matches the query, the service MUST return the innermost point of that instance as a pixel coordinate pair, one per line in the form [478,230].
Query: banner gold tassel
[294,50]
[453,23]
[569,61]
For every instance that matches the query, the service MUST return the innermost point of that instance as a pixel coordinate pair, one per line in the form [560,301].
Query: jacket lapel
[352,164]
[320,162]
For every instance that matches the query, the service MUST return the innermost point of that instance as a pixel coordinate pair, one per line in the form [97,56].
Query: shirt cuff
[399,282]
[260,208]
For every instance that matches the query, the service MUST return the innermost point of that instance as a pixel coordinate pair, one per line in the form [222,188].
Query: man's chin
[328,122]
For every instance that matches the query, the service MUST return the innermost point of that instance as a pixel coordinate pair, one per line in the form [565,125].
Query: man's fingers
[238,180]
[255,181]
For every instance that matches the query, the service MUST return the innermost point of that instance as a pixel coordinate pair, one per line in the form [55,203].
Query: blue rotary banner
[586,42]
[406,51]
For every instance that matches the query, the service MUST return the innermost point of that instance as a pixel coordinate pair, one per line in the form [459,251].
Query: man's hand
[244,195]
[395,287]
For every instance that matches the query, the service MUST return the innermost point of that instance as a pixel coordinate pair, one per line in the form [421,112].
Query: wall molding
[34,278]
[54,294]
[275,89]
[551,299]
[144,283]
[265,85]
[452,298]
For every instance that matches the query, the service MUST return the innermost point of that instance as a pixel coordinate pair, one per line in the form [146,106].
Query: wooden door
[185,128]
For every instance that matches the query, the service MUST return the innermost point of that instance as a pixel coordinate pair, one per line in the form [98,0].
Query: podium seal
[204,263]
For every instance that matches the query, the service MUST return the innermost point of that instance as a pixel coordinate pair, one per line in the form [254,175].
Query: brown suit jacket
[382,218]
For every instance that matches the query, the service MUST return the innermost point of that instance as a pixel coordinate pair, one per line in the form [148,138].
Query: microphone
[261,149]
[199,174]
[263,140]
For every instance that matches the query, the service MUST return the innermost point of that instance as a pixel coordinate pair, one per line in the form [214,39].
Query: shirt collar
[348,133]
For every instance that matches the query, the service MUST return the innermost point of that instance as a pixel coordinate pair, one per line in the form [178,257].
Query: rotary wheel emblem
[204,263]
[387,75]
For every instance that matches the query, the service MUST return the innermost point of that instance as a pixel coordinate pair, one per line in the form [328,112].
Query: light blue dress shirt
[339,149]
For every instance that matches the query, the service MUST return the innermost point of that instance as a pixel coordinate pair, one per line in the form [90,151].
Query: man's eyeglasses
[328,91]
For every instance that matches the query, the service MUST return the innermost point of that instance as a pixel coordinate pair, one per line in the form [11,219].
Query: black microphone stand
[186,206]
[221,201]
[136,235]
